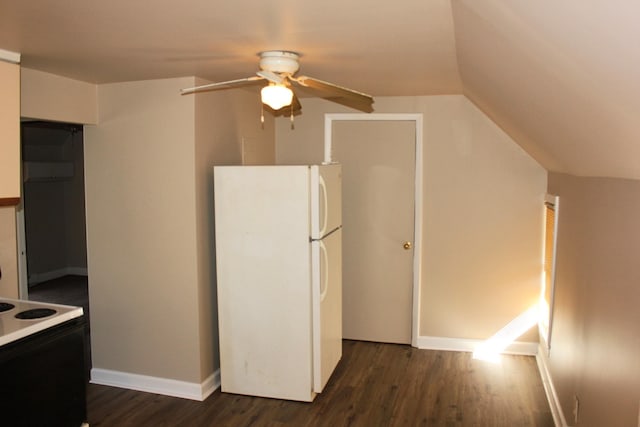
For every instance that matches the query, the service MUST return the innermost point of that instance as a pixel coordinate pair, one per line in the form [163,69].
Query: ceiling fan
[277,70]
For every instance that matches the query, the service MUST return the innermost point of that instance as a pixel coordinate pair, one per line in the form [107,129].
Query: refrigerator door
[263,280]
[327,307]
[326,199]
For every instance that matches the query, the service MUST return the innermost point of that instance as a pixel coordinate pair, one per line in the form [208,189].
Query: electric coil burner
[22,318]
[5,306]
[35,313]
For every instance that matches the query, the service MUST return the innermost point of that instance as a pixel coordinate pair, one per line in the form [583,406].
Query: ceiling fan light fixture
[278,70]
[276,96]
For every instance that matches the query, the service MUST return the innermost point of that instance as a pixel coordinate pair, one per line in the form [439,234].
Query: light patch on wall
[491,349]
[544,310]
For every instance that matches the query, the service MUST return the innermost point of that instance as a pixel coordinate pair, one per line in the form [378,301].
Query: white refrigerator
[279,278]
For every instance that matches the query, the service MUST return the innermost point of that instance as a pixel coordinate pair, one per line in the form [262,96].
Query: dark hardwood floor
[374,385]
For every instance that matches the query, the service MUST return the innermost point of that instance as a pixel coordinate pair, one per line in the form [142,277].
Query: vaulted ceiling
[562,78]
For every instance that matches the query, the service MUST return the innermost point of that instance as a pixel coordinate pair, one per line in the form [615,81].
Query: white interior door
[378,169]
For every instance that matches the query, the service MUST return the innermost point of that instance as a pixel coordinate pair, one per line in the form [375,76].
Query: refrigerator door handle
[311,239]
[325,213]
[324,283]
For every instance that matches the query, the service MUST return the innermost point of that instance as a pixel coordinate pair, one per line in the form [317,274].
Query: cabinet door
[9,133]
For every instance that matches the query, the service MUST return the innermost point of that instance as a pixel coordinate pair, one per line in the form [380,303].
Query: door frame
[21,240]
[417,118]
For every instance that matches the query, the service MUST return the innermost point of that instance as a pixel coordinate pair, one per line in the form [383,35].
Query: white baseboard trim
[462,344]
[554,403]
[165,386]
[211,384]
[36,278]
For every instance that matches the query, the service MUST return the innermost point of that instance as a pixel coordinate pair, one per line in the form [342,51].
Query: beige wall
[482,205]
[148,167]
[224,119]
[50,97]
[594,343]
[141,234]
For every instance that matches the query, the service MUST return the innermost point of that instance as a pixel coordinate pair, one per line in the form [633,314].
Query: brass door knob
[407,245]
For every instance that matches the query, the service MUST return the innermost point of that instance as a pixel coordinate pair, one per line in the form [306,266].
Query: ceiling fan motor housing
[279,61]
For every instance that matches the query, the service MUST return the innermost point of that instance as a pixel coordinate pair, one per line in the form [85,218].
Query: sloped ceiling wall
[563,78]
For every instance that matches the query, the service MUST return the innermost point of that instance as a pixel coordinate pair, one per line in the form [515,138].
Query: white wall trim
[36,278]
[554,403]
[8,56]
[469,345]
[546,332]
[23,281]
[419,161]
[164,386]
[211,384]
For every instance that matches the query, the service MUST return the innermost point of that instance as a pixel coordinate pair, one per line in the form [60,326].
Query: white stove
[21,318]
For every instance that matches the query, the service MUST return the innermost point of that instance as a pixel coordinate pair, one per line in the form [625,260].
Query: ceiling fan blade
[221,85]
[271,76]
[341,95]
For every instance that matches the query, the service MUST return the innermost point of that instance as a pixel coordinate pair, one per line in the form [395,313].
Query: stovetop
[28,320]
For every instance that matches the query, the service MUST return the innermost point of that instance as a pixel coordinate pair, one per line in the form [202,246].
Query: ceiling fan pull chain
[262,115]
[292,127]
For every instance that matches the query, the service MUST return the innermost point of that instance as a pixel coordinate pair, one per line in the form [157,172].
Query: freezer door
[326,199]
[327,307]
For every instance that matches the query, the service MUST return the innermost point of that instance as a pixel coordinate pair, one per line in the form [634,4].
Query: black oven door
[42,378]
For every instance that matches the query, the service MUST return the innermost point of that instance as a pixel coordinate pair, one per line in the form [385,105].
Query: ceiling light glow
[276,96]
